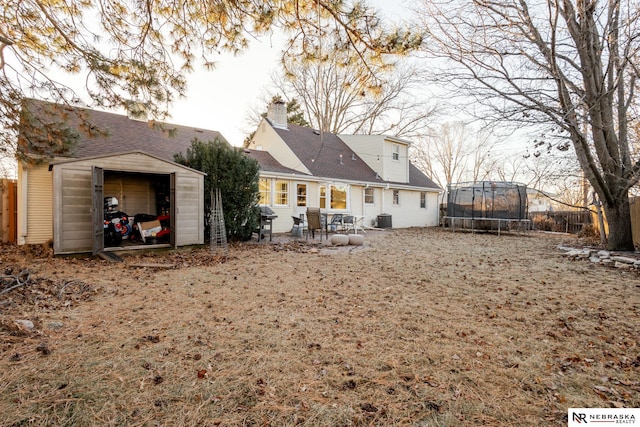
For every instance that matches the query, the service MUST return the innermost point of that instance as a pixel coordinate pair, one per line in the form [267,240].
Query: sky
[221,99]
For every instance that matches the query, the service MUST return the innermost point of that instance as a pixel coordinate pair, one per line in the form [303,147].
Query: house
[365,175]
[541,202]
[62,200]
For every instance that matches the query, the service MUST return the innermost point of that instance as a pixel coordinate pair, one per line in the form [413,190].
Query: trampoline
[487,205]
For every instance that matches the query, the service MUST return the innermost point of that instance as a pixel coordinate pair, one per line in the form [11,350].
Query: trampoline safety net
[487,200]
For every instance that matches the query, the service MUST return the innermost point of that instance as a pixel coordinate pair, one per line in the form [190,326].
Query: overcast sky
[220,99]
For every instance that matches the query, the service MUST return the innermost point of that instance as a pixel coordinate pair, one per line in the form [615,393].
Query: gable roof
[320,153]
[126,153]
[269,164]
[111,133]
[419,179]
[324,154]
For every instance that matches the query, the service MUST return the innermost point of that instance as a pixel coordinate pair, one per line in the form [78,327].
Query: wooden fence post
[8,210]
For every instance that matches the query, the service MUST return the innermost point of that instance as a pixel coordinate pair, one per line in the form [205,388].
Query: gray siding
[73,228]
[189,209]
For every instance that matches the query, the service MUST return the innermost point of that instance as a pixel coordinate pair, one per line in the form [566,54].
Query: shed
[142,183]
[63,200]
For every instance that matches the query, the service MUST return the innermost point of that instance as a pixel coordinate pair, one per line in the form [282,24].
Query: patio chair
[299,227]
[314,222]
[348,223]
[336,223]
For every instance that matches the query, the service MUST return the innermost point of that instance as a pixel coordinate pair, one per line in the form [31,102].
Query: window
[368,195]
[337,197]
[265,191]
[396,152]
[396,197]
[323,197]
[301,195]
[423,199]
[282,193]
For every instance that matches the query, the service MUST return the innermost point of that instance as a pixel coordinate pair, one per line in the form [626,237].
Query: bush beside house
[236,175]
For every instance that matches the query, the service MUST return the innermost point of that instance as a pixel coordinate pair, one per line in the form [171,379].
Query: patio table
[358,223]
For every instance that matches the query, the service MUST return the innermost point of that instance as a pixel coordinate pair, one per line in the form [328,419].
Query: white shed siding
[189,210]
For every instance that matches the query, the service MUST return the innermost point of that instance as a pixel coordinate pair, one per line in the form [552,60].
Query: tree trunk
[619,220]
[601,227]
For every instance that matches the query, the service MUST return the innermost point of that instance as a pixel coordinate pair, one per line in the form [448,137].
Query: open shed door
[174,210]
[97,209]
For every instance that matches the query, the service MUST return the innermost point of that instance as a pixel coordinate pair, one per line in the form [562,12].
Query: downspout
[22,208]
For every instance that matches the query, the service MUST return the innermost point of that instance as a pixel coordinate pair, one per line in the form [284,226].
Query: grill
[267,215]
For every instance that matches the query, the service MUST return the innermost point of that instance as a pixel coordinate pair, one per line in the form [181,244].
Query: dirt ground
[417,327]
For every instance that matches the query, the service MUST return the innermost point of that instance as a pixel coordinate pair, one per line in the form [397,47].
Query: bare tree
[341,95]
[254,116]
[136,54]
[569,66]
[456,152]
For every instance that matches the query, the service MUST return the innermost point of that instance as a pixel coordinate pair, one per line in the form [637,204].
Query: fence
[8,210]
[561,221]
[573,221]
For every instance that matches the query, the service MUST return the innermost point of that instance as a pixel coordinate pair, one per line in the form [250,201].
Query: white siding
[369,148]
[39,202]
[407,214]
[270,141]
[396,170]
[377,153]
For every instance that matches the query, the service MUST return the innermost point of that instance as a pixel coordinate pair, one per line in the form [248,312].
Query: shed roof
[124,153]
[110,133]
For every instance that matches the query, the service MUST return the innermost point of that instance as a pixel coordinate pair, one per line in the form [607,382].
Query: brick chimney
[277,114]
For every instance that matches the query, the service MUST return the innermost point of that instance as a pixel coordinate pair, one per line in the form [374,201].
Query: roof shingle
[118,134]
[269,164]
[326,155]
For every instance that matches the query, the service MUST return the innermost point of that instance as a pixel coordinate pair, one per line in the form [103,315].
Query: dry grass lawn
[419,327]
